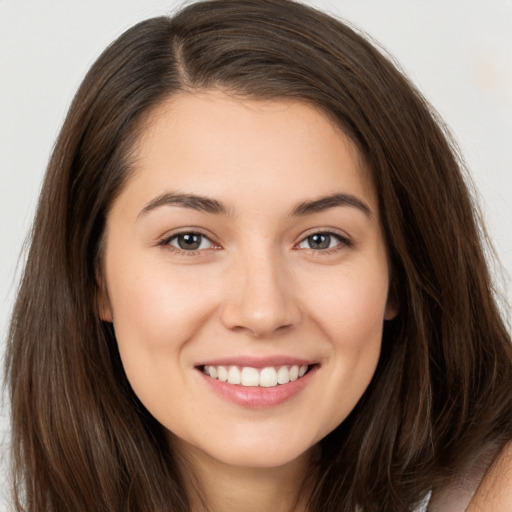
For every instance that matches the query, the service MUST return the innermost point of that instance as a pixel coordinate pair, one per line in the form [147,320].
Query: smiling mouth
[248,376]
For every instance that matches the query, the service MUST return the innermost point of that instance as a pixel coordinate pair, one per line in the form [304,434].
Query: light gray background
[459,53]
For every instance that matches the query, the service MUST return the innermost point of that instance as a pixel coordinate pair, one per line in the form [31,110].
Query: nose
[260,299]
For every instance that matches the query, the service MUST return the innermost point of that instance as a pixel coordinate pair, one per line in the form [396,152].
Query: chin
[258,459]
[252,453]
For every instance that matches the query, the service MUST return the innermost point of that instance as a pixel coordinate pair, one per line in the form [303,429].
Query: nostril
[260,312]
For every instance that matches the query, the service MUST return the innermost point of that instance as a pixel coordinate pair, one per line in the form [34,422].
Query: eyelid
[165,240]
[344,239]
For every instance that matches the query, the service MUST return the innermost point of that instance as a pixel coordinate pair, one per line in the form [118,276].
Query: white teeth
[267,377]
[250,377]
[283,375]
[222,374]
[234,375]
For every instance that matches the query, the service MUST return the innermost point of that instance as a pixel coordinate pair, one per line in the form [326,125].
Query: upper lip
[257,362]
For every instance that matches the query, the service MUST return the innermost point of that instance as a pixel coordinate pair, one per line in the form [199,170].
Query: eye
[323,241]
[189,241]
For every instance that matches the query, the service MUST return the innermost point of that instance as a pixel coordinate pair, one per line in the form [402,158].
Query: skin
[485,487]
[495,490]
[256,287]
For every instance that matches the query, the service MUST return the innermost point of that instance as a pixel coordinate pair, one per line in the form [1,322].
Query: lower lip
[256,396]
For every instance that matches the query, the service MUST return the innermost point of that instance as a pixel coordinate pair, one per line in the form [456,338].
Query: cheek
[351,315]
[351,306]
[353,320]
[154,306]
[155,313]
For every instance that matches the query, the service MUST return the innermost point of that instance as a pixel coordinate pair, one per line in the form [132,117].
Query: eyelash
[166,242]
[342,242]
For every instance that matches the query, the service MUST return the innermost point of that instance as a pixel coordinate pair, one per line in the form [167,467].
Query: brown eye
[189,242]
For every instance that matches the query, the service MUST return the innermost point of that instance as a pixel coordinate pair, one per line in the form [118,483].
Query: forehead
[215,142]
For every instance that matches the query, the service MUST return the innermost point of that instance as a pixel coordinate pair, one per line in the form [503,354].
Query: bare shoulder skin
[495,491]
[483,488]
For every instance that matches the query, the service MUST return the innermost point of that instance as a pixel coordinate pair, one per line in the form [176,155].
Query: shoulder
[495,490]
[485,486]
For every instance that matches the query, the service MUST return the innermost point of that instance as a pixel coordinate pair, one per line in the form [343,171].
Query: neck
[218,487]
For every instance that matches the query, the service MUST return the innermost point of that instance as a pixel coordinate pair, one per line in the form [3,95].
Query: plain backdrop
[459,54]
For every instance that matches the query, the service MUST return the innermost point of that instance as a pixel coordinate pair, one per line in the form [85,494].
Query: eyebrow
[195,202]
[332,201]
[208,205]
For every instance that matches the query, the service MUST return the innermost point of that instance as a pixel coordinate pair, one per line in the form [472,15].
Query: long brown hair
[82,441]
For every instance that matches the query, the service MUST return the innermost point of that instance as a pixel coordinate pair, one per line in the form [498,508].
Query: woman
[193,333]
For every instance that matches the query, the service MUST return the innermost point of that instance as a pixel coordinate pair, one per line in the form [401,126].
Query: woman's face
[245,250]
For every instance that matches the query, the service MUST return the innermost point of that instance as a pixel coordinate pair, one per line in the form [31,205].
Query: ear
[391,310]
[392,305]
[103,304]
